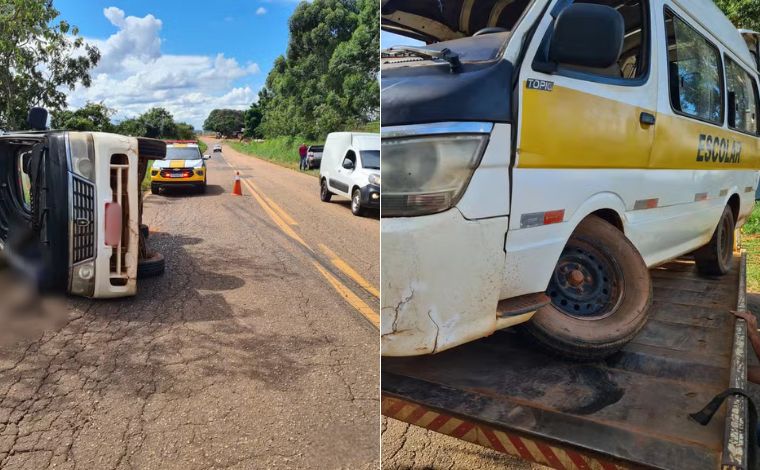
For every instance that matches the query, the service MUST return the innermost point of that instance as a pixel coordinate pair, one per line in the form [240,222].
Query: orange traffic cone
[236,189]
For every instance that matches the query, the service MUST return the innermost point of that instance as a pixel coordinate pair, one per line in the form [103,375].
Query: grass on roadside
[284,150]
[751,243]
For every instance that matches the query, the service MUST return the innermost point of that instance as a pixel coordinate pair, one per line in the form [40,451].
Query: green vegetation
[751,243]
[743,13]
[38,62]
[284,150]
[280,150]
[226,121]
[327,80]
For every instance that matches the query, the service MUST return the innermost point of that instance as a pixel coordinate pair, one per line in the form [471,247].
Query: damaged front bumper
[440,287]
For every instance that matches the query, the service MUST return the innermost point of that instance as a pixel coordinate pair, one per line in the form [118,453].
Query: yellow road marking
[368,312]
[348,270]
[285,216]
[275,218]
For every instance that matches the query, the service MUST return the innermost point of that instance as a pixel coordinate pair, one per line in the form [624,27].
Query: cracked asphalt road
[241,356]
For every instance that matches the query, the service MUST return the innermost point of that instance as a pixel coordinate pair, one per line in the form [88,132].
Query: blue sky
[189,56]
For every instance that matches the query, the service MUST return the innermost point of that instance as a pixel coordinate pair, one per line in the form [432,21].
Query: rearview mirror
[348,164]
[587,35]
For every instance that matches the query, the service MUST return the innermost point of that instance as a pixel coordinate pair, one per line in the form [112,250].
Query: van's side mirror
[348,164]
[207,157]
[587,35]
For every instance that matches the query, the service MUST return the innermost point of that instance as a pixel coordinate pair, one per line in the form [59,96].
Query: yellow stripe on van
[566,128]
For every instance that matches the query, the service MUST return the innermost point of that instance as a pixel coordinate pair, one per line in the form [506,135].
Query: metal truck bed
[628,411]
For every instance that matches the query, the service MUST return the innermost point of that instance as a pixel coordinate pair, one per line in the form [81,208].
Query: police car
[183,168]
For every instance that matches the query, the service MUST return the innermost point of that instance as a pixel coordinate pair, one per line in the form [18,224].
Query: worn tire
[619,312]
[324,194]
[356,202]
[151,267]
[154,189]
[714,259]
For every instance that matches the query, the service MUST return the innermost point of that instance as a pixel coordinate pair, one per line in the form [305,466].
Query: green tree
[327,80]
[185,131]
[743,13]
[40,58]
[91,117]
[226,121]
[159,124]
[252,121]
[133,127]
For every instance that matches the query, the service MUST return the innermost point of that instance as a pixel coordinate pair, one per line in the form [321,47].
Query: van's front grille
[83,220]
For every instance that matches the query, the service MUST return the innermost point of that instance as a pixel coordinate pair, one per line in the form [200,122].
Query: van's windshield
[183,153]
[475,30]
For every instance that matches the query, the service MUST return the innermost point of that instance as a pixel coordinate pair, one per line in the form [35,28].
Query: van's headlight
[374,179]
[425,175]
[82,148]
[83,279]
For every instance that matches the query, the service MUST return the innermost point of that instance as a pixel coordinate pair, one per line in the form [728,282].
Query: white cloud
[261,11]
[133,75]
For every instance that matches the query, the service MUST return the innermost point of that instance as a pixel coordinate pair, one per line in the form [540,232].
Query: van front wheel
[356,202]
[600,295]
[714,259]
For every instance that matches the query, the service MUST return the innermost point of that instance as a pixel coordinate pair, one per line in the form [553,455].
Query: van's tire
[595,316]
[154,189]
[356,202]
[714,259]
[324,193]
[153,266]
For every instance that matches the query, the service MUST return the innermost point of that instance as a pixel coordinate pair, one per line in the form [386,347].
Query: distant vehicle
[218,135]
[183,167]
[314,156]
[217,147]
[70,209]
[351,168]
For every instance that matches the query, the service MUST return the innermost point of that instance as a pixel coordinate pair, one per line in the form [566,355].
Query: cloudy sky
[188,56]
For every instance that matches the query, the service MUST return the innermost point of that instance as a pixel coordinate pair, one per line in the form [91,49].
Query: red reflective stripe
[578,460]
[439,421]
[462,429]
[554,217]
[550,456]
[652,203]
[521,448]
[495,443]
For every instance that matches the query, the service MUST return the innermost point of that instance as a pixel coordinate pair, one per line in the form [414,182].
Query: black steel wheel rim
[586,283]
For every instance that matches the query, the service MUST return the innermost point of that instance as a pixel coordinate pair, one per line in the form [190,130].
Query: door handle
[647,119]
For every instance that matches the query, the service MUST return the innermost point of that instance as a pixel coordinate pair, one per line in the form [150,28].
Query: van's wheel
[714,259]
[356,202]
[600,291]
[154,265]
[324,194]
[154,189]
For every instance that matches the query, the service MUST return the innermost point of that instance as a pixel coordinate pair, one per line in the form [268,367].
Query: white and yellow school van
[539,156]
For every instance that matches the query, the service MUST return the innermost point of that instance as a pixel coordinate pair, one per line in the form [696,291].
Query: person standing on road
[302,153]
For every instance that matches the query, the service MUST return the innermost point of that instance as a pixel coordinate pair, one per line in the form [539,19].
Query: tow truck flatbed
[629,411]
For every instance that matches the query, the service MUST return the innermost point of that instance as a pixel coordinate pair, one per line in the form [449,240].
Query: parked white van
[540,155]
[351,168]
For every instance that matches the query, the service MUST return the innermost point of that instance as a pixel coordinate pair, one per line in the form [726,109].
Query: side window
[694,70]
[350,155]
[742,98]
[633,62]
[24,182]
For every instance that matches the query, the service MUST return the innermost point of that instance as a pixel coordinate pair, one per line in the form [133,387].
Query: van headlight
[83,279]
[82,154]
[374,179]
[426,175]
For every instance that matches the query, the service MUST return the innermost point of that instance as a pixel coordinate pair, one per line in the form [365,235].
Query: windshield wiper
[444,54]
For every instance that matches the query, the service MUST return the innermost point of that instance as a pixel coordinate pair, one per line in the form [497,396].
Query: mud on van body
[70,209]
[539,156]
